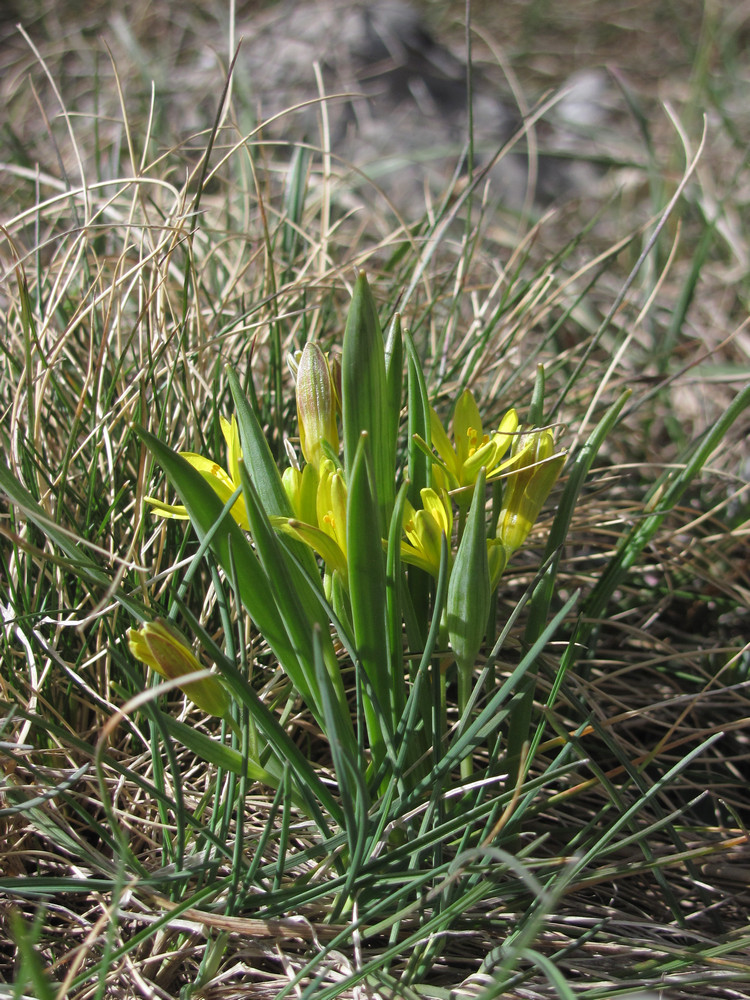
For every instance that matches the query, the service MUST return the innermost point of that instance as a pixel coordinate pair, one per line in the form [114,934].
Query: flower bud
[528,486]
[162,648]
[316,404]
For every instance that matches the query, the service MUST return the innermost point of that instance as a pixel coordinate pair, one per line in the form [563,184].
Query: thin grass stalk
[519,727]
[661,499]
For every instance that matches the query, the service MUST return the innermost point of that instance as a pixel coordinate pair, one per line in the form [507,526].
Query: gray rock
[396,101]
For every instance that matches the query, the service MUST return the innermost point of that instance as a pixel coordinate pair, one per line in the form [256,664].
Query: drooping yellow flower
[528,485]
[223,482]
[424,530]
[161,647]
[472,448]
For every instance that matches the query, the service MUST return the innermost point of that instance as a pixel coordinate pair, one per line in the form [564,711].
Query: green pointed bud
[316,404]
[163,648]
[528,486]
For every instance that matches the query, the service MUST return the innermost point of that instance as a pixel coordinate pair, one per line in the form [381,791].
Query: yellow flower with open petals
[224,483]
[472,449]
[424,530]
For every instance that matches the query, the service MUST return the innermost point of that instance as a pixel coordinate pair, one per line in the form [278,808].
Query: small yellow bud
[162,648]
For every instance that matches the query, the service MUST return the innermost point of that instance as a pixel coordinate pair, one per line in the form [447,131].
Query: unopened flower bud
[162,648]
[316,404]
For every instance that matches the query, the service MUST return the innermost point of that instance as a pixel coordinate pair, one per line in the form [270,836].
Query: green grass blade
[259,461]
[77,560]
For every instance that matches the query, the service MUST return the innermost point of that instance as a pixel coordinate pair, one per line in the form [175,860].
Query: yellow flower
[472,449]
[527,486]
[322,527]
[424,530]
[224,483]
[162,648]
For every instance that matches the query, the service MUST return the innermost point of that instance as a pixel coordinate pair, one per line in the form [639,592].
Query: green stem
[464,694]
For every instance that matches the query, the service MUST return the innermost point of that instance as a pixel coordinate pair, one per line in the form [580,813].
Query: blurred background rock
[408,130]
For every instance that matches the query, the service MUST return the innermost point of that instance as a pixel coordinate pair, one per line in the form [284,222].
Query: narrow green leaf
[394,376]
[278,741]
[348,766]
[394,616]
[418,416]
[469,595]
[536,406]
[256,454]
[365,397]
[420,473]
[295,600]
[231,549]
[224,756]
[367,592]
[472,732]
[294,202]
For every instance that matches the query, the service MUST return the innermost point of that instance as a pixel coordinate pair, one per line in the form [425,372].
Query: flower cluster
[527,461]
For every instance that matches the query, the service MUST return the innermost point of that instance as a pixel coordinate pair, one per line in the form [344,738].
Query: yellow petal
[467,428]
[221,483]
[176,511]
[442,445]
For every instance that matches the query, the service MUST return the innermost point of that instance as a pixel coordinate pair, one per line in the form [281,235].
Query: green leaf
[278,741]
[348,765]
[224,756]
[468,603]
[367,593]
[394,616]
[256,454]
[394,376]
[295,600]
[233,552]
[418,406]
[366,399]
